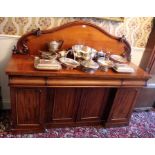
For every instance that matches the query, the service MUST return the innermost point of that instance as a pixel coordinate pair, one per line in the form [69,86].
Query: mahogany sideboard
[43,99]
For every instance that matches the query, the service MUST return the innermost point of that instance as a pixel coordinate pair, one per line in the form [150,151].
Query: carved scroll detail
[127,49]
[23,50]
[37,32]
[22,47]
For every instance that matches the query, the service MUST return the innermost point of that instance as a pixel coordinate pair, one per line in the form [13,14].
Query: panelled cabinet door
[61,105]
[28,107]
[92,104]
[122,106]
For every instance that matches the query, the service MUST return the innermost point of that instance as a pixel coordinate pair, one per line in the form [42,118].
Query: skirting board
[143,109]
[5,105]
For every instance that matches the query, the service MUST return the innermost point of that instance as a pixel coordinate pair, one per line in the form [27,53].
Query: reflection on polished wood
[77,32]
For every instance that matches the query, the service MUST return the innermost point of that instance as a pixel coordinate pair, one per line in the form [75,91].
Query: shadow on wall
[7,43]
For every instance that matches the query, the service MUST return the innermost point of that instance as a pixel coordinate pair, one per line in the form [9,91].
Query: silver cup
[54,46]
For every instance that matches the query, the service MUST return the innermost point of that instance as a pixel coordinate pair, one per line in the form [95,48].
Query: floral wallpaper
[136,29]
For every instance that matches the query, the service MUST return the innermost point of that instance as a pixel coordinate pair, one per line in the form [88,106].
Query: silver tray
[103,62]
[89,64]
[118,58]
[44,64]
[69,63]
[123,68]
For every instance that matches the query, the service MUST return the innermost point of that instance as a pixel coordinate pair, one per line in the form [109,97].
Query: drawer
[27,80]
[79,82]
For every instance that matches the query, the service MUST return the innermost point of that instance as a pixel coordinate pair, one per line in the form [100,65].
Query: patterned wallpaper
[136,29]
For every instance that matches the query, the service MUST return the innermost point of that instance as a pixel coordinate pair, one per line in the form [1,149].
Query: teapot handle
[71,51]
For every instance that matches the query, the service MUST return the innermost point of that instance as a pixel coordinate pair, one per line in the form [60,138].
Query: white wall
[136,55]
[6,45]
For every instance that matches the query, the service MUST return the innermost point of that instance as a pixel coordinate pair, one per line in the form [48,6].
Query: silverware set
[88,58]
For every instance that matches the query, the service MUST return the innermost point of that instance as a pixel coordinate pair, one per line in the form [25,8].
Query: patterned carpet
[142,125]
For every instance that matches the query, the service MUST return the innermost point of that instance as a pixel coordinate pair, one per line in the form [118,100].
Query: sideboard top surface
[24,65]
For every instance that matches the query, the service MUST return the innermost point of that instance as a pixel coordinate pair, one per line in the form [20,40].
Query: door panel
[62,104]
[29,105]
[92,104]
[123,105]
